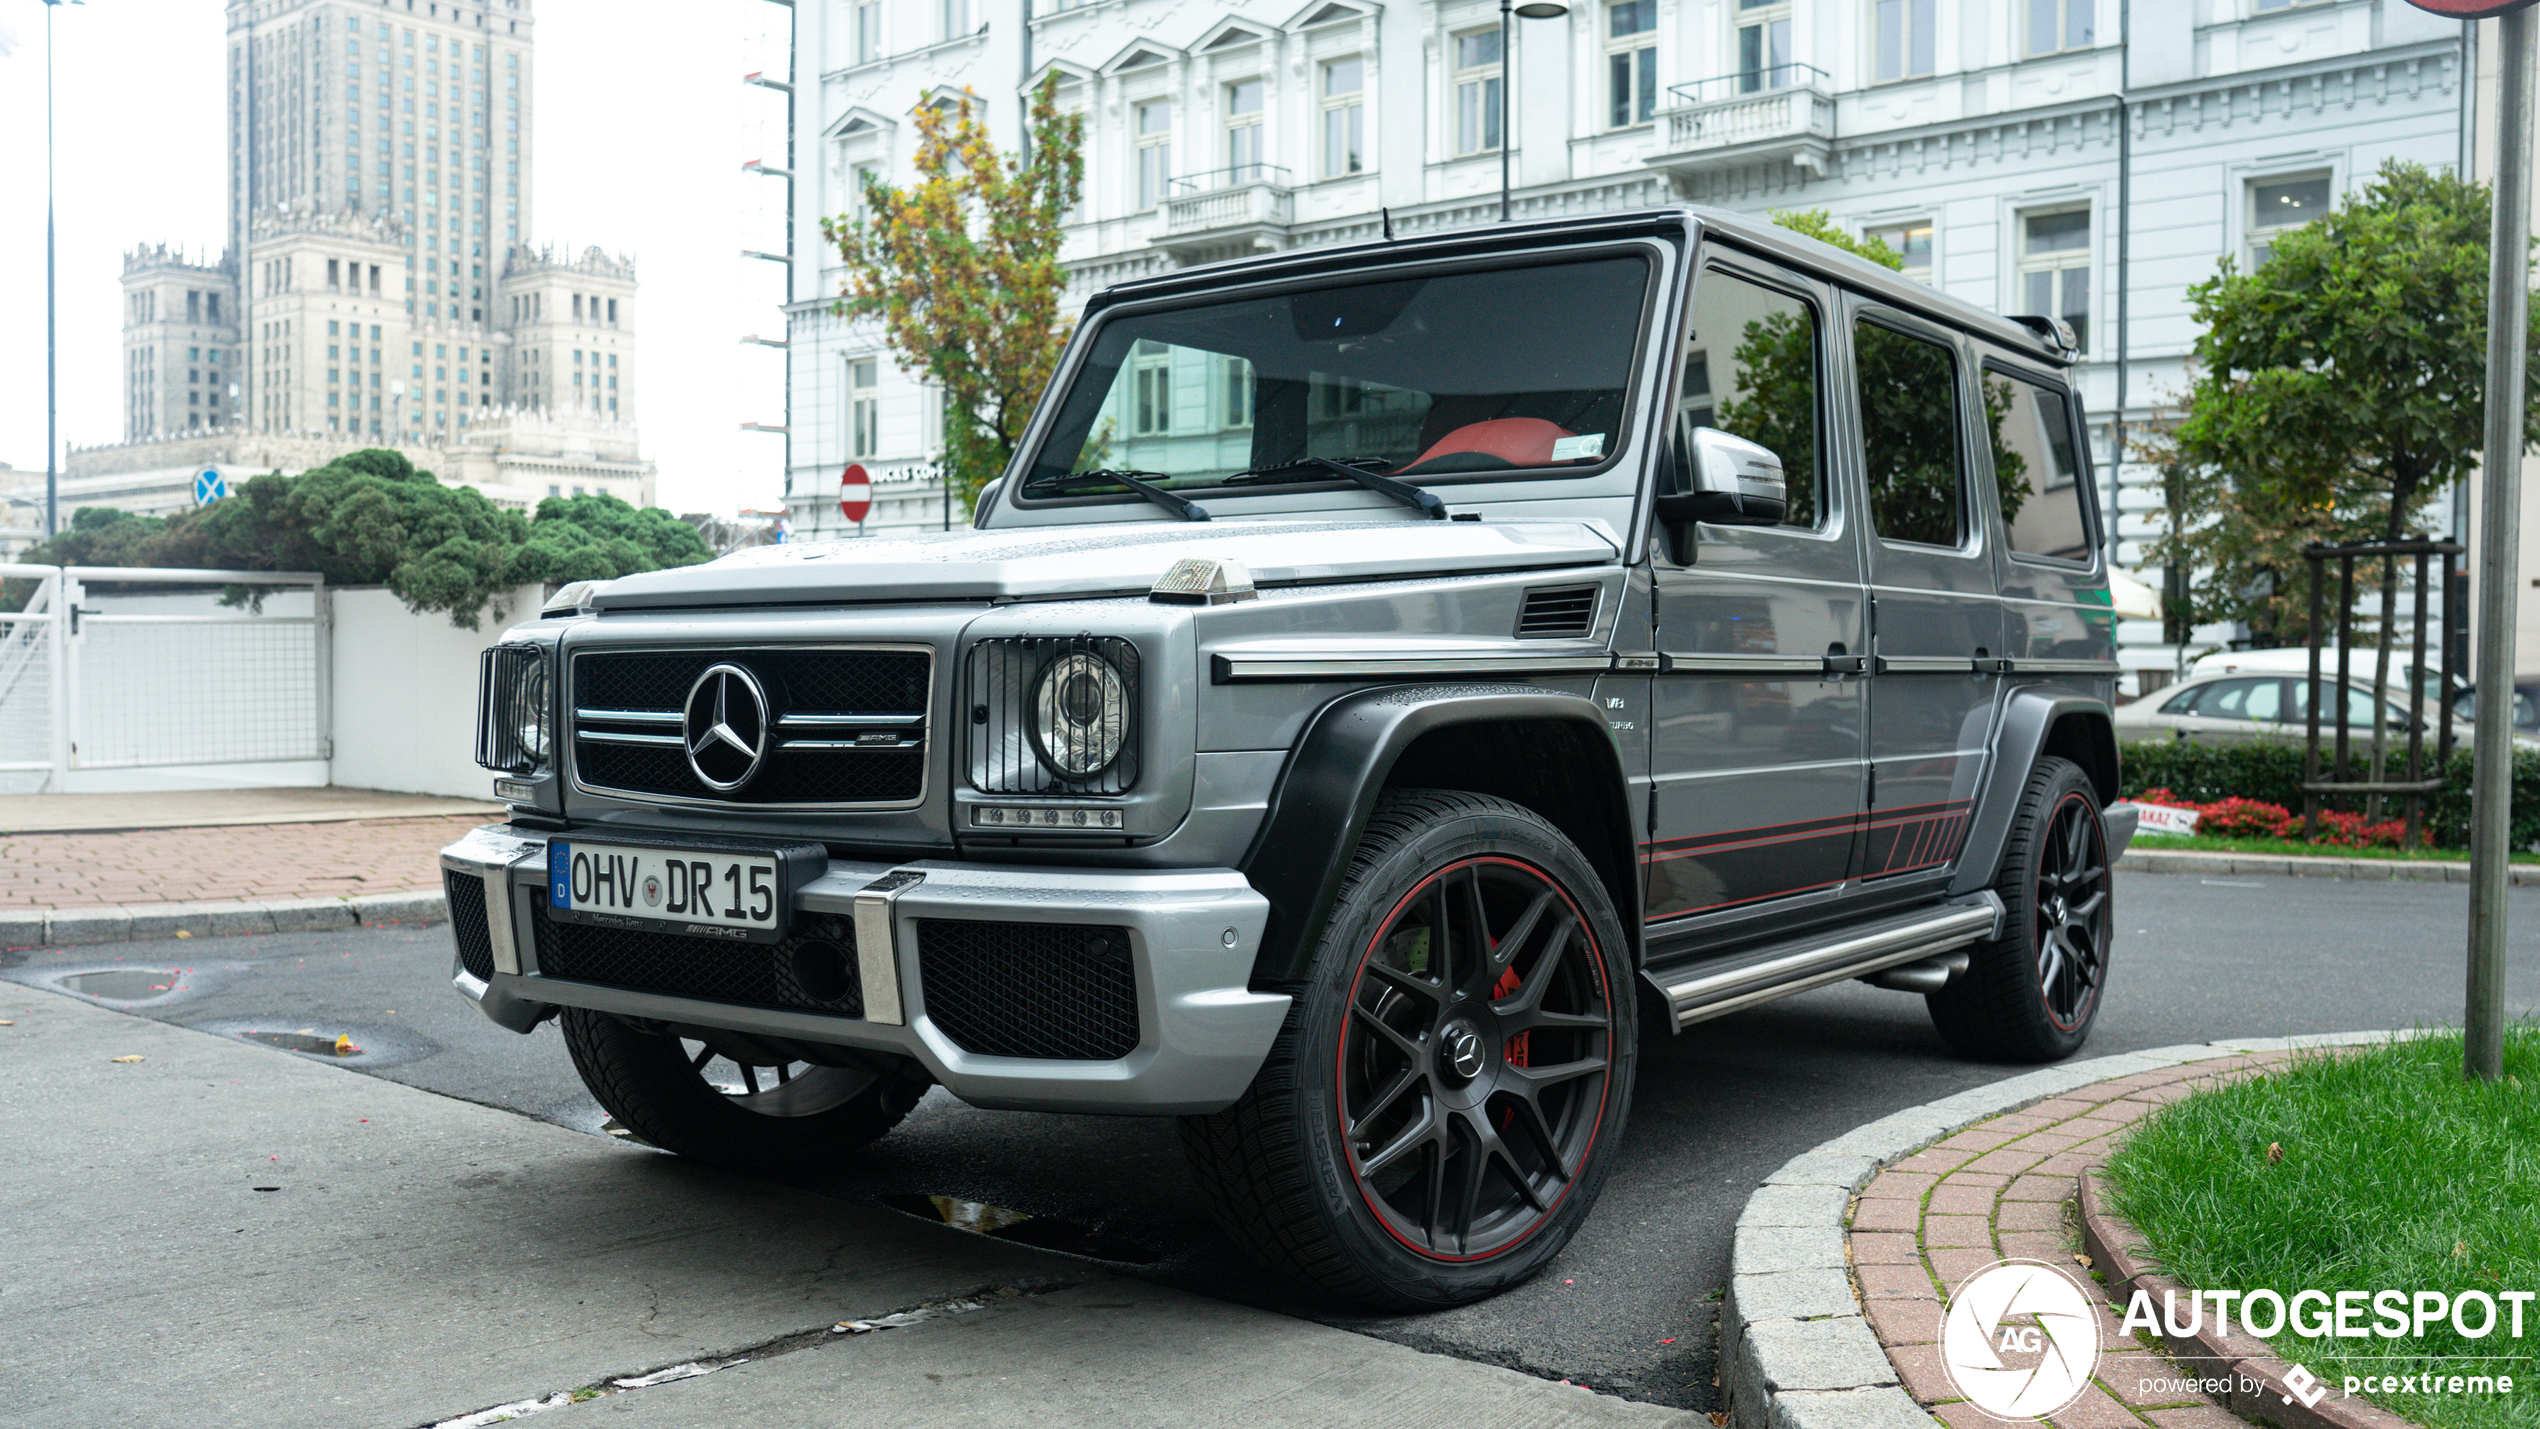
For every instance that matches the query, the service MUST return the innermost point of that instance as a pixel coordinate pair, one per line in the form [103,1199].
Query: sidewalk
[210,1232]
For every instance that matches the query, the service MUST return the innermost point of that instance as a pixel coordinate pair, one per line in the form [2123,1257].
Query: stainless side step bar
[1822,958]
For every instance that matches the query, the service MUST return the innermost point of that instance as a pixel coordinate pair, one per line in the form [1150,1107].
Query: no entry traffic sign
[855,493]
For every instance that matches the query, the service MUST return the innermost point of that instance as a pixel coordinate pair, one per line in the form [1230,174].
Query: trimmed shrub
[2248,777]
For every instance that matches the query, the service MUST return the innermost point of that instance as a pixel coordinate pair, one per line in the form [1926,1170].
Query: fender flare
[1327,792]
[2029,720]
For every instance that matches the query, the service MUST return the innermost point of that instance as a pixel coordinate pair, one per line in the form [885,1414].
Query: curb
[65,927]
[1795,1349]
[2368,870]
[2241,1361]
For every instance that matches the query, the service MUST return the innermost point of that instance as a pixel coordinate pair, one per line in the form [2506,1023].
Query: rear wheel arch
[1548,750]
[2039,720]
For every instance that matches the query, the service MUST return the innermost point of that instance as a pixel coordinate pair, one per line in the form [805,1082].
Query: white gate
[154,681]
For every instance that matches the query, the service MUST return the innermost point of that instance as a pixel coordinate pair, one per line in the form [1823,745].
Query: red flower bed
[2254,818]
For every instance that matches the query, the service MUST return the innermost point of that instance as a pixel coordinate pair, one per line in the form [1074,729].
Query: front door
[1755,762]
[1935,613]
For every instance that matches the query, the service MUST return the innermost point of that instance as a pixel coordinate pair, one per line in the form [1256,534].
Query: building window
[1243,131]
[1154,151]
[1238,390]
[1151,373]
[1480,93]
[1344,117]
[2055,268]
[1905,34]
[954,16]
[1763,45]
[1631,62]
[2278,206]
[868,32]
[864,407]
[1912,242]
[2061,25]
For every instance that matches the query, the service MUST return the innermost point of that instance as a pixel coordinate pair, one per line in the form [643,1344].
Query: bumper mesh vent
[1062,991]
[751,974]
[468,924]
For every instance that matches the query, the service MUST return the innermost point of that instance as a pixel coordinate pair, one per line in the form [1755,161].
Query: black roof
[1683,221]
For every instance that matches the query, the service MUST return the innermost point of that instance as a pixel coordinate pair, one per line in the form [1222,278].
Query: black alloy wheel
[1473,1059]
[2072,912]
[731,1104]
[2031,993]
[1443,1101]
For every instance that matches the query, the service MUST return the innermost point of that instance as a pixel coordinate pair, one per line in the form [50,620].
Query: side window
[2184,702]
[2036,468]
[1910,436]
[1750,369]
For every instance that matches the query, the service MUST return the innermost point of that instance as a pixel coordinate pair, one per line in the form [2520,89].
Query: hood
[1110,559]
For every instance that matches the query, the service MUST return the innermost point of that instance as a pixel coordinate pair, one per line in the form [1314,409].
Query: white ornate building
[2011,149]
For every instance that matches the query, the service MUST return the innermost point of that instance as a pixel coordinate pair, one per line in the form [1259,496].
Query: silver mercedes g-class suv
[1388,682]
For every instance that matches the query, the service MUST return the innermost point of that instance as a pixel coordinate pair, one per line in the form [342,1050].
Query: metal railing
[2433,561]
[1218,180]
[86,688]
[1748,83]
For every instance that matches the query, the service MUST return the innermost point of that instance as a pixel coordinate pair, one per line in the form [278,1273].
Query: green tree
[962,269]
[374,518]
[2337,389]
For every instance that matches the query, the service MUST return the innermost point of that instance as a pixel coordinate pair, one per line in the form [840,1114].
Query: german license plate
[735,894]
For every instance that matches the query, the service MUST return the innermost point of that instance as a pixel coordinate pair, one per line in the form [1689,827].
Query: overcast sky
[641,130]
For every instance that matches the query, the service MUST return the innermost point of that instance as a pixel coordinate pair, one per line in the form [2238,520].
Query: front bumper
[1191,933]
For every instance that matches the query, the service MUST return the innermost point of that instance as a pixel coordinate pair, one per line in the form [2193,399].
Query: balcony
[1783,114]
[1225,213]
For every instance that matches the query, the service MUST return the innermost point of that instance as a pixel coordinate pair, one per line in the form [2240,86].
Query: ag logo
[2020,1341]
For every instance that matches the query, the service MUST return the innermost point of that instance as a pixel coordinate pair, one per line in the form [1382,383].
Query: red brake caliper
[1508,983]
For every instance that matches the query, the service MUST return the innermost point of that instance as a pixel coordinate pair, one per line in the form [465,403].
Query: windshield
[1503,370]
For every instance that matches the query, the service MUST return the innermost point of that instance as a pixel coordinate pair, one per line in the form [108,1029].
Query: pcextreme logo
[2019,1340]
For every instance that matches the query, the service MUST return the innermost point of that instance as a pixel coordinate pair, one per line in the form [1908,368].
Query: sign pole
[2500,509]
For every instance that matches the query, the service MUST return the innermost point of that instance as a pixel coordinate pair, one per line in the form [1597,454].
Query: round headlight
[531,710]
[1081,715]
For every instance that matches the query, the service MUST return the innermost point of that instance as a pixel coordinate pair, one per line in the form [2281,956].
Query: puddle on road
[306,1040]
[127,984]
[1042,1232]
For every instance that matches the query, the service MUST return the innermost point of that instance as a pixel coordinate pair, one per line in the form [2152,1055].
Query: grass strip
[2395,1173]
[2295,848]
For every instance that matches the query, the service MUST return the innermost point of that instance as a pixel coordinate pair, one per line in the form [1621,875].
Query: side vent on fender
[1558,612]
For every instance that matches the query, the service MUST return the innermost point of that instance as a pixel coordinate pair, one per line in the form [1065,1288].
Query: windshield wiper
[1401,491]
[1134,480]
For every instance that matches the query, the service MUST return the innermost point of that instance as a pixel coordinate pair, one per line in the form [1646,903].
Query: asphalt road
[1629,1307]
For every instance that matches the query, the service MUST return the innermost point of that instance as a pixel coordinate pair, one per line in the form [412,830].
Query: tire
[2031,994]
[1486,1088]
[675,1093]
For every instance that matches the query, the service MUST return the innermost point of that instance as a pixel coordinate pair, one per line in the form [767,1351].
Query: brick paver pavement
[237,863]
[2005,1189]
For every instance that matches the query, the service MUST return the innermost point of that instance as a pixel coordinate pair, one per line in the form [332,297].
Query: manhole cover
[126,984]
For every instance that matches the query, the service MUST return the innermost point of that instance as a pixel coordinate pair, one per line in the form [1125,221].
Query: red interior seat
[1518,441]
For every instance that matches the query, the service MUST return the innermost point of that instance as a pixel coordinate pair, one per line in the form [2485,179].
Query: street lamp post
[1532,10]
[52,381]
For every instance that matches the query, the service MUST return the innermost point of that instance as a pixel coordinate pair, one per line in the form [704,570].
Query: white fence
[104,687]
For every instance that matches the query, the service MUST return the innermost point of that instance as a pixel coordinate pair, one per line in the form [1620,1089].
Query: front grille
[752,974]
[1065,991]
[468,924]
[846,726]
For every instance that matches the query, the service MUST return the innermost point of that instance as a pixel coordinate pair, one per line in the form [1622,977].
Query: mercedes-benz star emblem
[725,727]
[1464,1050]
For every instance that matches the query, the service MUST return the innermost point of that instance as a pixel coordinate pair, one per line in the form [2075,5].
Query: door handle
[1839,663]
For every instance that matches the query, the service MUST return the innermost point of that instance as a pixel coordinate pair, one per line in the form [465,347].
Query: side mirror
[1735,482]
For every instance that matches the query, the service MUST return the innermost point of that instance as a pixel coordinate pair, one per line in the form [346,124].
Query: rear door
[1935,612]
[1755,755]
